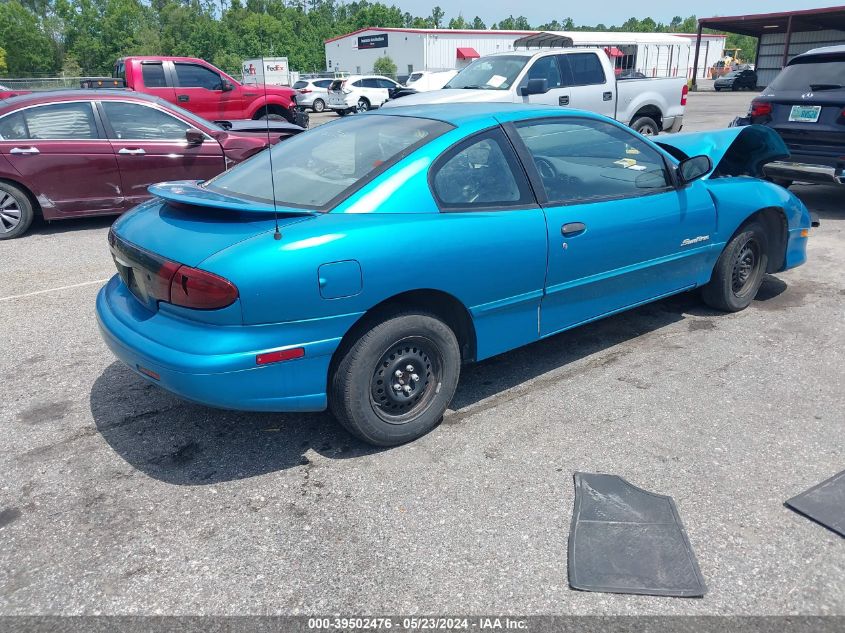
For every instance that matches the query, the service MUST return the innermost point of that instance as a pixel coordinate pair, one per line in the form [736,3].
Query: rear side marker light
[805,232]
[279,356]
[149,372]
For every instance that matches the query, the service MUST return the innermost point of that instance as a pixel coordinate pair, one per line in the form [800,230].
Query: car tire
[362,106]
[342,112]
[16,211]
[645,126]
[318,106]
[375,395]
[717,89]
[739,270]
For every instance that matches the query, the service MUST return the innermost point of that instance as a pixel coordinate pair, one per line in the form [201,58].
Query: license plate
[805,114]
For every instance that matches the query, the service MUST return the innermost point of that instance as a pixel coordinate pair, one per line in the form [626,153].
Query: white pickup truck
[581,78]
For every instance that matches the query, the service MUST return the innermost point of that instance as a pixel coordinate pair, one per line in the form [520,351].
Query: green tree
[458,23]
[437,16]
[385,66]
[477,23]
[3,67]
[28,49]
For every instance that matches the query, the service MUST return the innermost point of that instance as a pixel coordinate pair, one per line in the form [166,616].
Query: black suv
[737,80]
[805,104]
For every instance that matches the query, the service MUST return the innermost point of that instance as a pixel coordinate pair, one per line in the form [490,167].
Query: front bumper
[805,172]
[215,365]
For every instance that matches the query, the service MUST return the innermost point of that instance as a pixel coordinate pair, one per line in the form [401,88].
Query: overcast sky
[609,12]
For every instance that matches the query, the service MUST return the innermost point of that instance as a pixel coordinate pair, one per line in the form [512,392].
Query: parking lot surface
[118,498]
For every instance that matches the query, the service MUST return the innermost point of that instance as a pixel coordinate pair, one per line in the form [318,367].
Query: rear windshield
[300,84]
[336,84]
[812,73]
[414,76]
[316,167]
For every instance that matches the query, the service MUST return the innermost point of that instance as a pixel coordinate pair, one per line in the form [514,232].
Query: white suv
[359,93]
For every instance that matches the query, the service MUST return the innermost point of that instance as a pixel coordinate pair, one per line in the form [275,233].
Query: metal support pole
[695,59]
[788,42]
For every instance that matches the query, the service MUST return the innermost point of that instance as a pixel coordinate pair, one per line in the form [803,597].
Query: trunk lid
[185,225]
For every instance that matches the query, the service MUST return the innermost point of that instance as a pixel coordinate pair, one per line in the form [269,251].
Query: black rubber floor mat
[628,540]
[824,503]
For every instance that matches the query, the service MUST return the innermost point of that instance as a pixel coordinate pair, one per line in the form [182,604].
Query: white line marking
[41,292]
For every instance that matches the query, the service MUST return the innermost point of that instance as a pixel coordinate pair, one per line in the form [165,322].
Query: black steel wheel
[394,380]
[739,270]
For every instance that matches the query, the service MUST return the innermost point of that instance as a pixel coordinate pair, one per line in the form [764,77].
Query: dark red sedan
[78,153]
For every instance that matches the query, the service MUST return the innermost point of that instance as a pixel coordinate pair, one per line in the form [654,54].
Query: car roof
[458,114]
[55,96]
[823,50]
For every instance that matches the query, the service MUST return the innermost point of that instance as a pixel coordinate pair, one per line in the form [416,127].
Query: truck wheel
[645,126]
[16,212]
[395,382]
[319,105]
[739,270]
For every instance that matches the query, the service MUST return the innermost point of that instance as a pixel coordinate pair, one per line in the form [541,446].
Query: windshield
[313,168]
[814,73]
[490,73]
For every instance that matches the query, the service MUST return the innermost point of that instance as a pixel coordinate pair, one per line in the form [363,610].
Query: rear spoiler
[190,193]
[734,151]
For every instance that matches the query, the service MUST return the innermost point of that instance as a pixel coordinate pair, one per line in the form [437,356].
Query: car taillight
[760,108]
[200,290]
[304,90]
[684,93]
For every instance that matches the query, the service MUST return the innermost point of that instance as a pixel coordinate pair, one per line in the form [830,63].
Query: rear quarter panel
[635,94]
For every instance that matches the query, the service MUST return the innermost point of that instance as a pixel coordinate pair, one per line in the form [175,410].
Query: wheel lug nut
[406,389]
[414,377]
[397,387]
[409,368]
[398,373]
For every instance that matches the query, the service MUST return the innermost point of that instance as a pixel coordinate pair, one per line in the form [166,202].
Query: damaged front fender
[735,151]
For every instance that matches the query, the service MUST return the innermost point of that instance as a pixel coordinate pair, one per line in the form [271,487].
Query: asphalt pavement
[117,498]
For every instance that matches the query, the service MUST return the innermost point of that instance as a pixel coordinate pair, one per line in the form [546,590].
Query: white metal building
[712,50]
[781,36]
[653,54]
[415,49]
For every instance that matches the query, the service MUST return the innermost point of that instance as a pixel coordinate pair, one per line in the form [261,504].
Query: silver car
[312,93]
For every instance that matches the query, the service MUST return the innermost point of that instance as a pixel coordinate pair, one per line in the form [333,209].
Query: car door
[545,68]
[154,75]
[150,146]
[204,91]
[388,86]
[590,88]
[620,232]
[484,196]
[62,155]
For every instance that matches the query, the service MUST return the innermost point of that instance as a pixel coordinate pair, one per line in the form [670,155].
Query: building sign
[373,41]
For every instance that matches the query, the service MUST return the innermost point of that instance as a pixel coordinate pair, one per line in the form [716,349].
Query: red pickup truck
[199,87]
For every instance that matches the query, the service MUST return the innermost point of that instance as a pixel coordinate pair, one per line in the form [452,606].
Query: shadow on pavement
[188,444]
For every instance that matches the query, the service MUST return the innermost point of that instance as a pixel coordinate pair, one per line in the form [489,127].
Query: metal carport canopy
[756,25]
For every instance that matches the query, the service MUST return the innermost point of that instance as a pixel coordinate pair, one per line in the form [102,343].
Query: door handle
[26,151]
[571,229]
[134,152]
[607,96]
[183,98]
[564,100]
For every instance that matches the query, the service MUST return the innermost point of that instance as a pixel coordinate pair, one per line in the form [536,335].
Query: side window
[583,160]
[323,83]
[359,83]
[196,76]
[371,82]
[481,172]
[60,121]
[585,69]
[385,83]
[133,121]
[545,68]
[153,75]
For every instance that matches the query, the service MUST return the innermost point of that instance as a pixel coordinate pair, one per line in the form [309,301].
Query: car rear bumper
[216,365]
[805,172]
[673,124]
[346,102]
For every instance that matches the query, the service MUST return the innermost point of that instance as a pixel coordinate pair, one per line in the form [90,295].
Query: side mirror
[535,87]
[694,168]
[194,136]
[225,86]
